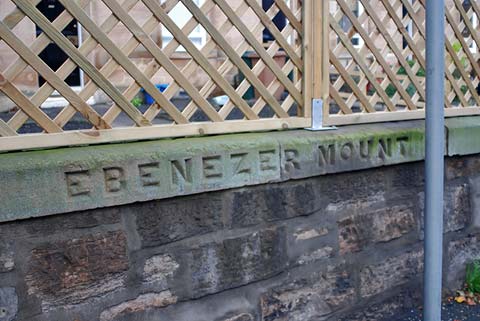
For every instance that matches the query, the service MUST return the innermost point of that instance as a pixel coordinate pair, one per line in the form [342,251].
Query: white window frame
[181,15]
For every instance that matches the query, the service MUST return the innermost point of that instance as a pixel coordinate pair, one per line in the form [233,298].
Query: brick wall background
[337,247]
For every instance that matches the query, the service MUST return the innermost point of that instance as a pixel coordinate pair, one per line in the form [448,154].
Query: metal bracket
[317,117]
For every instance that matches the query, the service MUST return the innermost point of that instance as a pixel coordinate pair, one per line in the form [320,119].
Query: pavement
[450,312]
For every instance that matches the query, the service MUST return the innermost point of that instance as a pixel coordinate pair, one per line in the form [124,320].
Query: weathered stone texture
[460,253]
[164,222]
[346,193]
[238,317]
[475,200]
[272,203]
[140,304]
[6,256]
[405,179]
[308,233]
[76,221]
[159,269]
[457,209]
[310,298]
[390,273]
[458,167]
[321,253]
[64,273]
[8,304]
[234,262]
[385,310]
[359,231]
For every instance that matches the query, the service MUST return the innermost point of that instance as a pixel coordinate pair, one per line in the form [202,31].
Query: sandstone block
[233,262]
[271,203]
[159,269]
[458,167]
[390,273]
[138,305]
[457,209]
[388,309]
[309,298]
[167,221]
[475,200]
[308,233]
[359,231]
[74,221]
[65,273]
[321,253]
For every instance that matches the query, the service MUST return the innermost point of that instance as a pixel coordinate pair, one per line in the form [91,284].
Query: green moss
[472,279]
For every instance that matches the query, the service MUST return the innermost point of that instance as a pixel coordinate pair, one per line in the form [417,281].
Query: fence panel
[377,60]
[261,82]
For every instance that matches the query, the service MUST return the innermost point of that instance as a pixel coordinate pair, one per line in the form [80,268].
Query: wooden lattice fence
[364,58]
[236,114]
[377,60]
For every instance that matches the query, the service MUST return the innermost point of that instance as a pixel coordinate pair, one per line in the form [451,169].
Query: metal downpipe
[434,161]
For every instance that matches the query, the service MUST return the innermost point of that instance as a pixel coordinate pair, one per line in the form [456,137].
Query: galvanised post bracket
[317,117]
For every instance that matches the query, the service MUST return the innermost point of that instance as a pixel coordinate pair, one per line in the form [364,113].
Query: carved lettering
[212,167]
[182,171]
[149,174]
[268,160]
[366,148]
[384,148]
[237,167]
[78,183]
[114,179]
[291,160]
[346,151]
[240,164]
[403,145]
[326,155]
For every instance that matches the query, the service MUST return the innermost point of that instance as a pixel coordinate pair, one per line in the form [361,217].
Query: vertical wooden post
[321,63]
[316,53]
[308,53]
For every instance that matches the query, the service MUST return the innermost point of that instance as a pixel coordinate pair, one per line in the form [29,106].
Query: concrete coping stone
[47,182]
[463,135]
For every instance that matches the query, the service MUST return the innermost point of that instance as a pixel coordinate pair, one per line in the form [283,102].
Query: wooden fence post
[321,63]
[316,53]
[308,53]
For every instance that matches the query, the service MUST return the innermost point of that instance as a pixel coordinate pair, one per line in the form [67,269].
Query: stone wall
[323,236]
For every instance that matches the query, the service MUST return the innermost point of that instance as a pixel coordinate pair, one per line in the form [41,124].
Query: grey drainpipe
[434,161]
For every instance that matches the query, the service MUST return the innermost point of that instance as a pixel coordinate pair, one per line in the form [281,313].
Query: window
[346,24]
[180,15]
